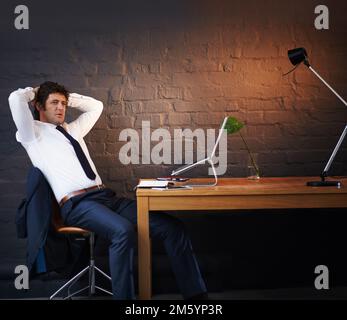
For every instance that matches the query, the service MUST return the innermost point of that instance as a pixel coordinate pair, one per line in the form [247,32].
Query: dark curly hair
[44,91]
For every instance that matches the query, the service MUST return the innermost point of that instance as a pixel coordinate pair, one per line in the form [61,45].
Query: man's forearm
[91,109]
[84,103]
[21,114]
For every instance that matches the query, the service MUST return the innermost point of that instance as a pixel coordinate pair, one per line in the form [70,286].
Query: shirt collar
[49,125]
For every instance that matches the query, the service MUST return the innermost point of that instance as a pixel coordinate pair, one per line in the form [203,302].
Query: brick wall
[180,64]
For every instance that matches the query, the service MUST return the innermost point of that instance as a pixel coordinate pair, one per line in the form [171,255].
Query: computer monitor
[209,158]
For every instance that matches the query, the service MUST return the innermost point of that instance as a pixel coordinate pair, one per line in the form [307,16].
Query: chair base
[91,286]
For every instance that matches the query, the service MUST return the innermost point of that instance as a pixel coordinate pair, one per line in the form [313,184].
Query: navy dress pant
[115,219]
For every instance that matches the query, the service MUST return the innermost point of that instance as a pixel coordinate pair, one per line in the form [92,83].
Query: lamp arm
[327,167]
[331,159]
[327,84]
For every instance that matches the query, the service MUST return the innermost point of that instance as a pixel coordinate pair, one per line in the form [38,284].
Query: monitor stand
[209,159]
[213,184]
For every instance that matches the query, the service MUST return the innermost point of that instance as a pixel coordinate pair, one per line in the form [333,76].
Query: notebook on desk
[152,184]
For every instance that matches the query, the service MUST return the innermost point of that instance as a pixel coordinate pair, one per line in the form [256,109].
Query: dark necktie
[80,154]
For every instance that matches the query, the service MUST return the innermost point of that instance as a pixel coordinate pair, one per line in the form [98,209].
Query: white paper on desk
[152,184]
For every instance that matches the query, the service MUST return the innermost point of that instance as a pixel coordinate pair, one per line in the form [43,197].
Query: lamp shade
[297,55]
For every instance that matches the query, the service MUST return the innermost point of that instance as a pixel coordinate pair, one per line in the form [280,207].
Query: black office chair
[91,268]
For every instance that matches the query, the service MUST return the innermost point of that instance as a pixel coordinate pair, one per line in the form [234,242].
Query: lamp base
[324,184]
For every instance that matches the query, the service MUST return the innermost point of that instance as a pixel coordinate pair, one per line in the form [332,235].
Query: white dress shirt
[48,149]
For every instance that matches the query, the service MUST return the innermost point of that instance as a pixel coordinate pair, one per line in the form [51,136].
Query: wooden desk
[231,193]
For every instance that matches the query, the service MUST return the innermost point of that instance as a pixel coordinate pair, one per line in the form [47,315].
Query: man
[57,148]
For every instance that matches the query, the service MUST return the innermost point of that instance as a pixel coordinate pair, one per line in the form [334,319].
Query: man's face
[54,111]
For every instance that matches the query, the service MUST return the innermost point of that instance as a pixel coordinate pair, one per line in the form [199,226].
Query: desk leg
[144,249]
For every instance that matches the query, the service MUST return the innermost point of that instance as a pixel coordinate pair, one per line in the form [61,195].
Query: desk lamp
[296,57]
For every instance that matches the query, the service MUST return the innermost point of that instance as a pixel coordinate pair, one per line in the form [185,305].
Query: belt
[78,192]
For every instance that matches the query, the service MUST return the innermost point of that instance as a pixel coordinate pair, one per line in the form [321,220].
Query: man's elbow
[100,106]
[13,98]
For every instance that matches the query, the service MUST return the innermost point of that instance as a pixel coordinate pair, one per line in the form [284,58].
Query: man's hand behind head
[36,89]
[33,102]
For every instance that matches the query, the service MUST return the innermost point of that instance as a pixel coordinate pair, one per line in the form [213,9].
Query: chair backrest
[57,220]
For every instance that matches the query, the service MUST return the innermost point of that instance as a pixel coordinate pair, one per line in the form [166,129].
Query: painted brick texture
[183,65]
